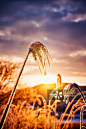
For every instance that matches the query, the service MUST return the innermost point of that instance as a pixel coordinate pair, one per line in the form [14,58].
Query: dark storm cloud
[11,7]
[12,11]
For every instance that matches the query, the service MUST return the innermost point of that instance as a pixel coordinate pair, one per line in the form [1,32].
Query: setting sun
[48,79]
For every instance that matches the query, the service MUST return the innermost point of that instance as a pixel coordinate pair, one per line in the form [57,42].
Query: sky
[59,24]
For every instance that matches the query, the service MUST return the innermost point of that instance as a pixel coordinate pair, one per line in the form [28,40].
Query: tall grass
[24,115]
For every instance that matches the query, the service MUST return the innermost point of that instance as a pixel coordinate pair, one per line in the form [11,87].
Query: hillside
[30,93]
[43,89]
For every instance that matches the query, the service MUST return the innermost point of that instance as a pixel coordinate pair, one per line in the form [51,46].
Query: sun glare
[48,79]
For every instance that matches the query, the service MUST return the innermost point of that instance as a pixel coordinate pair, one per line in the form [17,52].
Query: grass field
[22,115]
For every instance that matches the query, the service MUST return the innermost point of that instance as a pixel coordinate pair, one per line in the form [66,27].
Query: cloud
[75,17]
[78,53]
[59,25]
